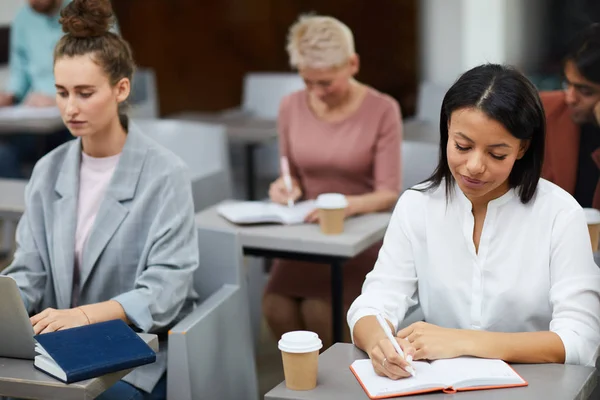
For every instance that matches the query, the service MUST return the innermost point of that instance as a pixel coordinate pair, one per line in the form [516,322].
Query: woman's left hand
[313,216]
[432,342]
[51,320]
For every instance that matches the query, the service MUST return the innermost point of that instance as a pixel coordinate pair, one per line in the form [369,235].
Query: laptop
[15,330]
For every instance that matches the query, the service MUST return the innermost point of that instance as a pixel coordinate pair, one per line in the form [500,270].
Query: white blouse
[534,270]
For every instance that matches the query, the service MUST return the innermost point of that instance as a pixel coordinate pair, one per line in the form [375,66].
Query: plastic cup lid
[300,342]
[592,215]
[331,201]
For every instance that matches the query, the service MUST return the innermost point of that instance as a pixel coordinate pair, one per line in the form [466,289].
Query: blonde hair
[319,42]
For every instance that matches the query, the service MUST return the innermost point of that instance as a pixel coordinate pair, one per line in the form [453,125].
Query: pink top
[358,155]
[355,156]
[94,176]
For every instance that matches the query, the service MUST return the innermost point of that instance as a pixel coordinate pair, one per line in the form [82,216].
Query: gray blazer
[142,250]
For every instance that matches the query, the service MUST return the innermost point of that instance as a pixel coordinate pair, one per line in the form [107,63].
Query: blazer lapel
[112,212]
[64,225]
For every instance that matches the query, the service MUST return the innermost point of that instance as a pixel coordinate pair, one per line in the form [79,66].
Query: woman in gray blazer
[108,231]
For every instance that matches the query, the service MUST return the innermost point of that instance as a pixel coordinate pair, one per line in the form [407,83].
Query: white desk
[19,378]
[306,242]
[47,122]
[546,381]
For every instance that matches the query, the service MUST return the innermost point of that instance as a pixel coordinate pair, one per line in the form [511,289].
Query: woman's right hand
[278,193]
[386,360]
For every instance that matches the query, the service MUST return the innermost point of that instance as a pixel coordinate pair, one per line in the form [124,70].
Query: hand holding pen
[287,179]
[388,358]
[285,190]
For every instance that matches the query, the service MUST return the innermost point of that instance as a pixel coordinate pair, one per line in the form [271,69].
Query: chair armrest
[210,352]
[203,309]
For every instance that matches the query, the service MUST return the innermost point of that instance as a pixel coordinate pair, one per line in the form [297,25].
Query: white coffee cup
[592,217]
[300,355]
[332,212]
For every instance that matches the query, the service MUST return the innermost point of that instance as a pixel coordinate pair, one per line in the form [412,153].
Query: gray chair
[12,206]
[263,92]
[425,125]
[419,160]
[144,95]
[210,352]
[203,147]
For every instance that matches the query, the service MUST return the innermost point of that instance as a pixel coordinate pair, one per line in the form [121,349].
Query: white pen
[287,179]
[388,333]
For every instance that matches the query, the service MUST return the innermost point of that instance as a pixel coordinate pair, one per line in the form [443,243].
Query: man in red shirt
[572,158]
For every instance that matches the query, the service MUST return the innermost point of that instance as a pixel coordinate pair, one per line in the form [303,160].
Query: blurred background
[201,51]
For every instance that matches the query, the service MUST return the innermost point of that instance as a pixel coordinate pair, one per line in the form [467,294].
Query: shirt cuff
[570,340]
[364,312]
[135,305]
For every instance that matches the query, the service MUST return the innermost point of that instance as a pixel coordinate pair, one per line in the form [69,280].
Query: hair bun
[87,18]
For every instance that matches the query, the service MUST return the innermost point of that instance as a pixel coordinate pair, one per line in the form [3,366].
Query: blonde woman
[339,135]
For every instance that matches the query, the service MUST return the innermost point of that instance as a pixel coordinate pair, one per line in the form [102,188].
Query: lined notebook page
[468,372]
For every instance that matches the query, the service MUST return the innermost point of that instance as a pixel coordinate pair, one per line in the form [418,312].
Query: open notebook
[256,212]
[452,375]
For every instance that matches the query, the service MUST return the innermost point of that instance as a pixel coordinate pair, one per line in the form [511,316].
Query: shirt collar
[466,203]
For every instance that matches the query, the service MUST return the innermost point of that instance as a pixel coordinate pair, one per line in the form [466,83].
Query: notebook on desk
[90,351]
[257,212]
[450,376]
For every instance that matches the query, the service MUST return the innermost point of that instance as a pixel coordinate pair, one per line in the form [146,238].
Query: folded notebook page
[256,212]
[90,351]
[458,374]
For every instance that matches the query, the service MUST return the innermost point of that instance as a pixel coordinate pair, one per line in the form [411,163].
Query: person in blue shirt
[33,35]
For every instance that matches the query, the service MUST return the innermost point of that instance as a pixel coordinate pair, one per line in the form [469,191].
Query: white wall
[525,28]
[441,32]
[8,10]
[457,35]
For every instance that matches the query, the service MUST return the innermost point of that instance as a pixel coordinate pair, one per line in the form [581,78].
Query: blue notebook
[90,351]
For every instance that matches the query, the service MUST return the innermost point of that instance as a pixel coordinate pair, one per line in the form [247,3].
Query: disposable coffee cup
[332,211]
[592,217]
[300,355]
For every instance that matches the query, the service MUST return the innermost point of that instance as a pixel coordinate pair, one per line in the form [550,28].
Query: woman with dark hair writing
[498,259]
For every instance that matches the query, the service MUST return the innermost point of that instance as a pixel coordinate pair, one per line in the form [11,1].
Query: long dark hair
[506,96]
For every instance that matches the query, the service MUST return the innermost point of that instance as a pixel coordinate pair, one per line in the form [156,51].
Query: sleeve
[162,288]
[390,288]
[575,289]
[18,81]
[387,168]
[283,121]
[27,268]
